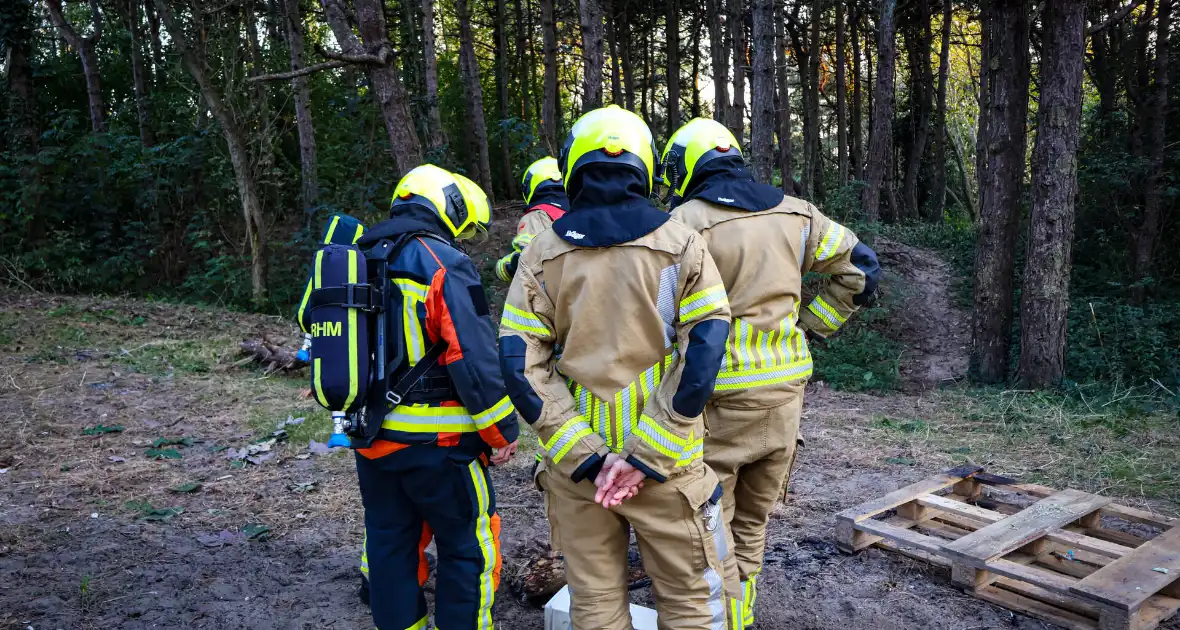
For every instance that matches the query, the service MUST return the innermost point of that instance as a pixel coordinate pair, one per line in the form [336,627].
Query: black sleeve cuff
[588,469]
[645,469]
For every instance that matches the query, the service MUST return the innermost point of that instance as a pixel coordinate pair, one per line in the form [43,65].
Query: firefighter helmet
[543,172]
[459,202]
[609,135]
[699,141]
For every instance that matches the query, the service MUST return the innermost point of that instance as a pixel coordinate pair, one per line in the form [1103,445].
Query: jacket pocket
[704,516]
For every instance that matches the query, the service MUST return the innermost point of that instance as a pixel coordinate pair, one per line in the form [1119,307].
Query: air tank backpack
[357,336]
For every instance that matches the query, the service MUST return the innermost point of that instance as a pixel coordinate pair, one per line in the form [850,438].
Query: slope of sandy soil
[97,532]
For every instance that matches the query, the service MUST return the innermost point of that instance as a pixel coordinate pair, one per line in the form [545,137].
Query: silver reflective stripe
[716,599]
[806,232]
[666,300]
[567,435]
[650,432]
[714,510]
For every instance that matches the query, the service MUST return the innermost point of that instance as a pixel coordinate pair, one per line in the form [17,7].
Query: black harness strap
[404,384]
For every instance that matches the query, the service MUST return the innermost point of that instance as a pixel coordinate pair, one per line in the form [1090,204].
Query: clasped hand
[617,481]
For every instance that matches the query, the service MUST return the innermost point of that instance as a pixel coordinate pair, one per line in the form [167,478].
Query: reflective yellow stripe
[693,451]
[353,367]
[331,229]
[615,418]
[365,556]
[413,294]
[502,268]
[494,414]
[425,419]
[487,545]
[746,379]
[523,321]
[420,624]
[659,438]
[830,316]
[566,437]
[522,241]
[319,389]
[703,302]
[831,241]
[303,305]
[360,231]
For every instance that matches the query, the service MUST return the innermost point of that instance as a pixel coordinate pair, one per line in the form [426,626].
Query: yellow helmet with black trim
[699,141]
[459,202]
[609,135]
[543,171]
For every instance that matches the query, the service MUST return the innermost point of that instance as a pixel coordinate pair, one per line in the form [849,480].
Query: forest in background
[190,149]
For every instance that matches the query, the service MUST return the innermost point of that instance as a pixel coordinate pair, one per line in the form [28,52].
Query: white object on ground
[557,613]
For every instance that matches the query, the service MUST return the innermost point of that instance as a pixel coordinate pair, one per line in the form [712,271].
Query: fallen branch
[272,357]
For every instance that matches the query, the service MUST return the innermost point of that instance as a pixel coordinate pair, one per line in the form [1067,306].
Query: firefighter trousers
[414,494]
[684,544]
[752,452]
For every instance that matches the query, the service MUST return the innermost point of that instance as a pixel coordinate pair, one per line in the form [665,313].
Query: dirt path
[97,533]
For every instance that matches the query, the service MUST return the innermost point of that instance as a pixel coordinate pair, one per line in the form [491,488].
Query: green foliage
[1110,340]
[858,359]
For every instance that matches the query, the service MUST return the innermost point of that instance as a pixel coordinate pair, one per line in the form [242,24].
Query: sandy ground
[95,533]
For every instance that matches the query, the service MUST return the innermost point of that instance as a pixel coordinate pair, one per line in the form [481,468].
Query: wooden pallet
[1067,557]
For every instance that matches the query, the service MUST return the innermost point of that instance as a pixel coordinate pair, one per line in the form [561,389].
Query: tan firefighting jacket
[601,331]
[762,257]
[531,224]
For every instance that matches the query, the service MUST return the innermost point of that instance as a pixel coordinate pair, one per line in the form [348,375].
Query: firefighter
[426,474]
[610,340]
[763,243]
[546,200]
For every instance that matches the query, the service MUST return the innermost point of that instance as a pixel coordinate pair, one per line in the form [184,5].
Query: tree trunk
[1007,35]
[877,177]
[719,58]
[156,48]
[1044,301]
[672,33]
[612,41]
[303,119]
[813,172]
[524,67]
[477,129]
[762,110]
[937,200]
[386,86]
[645,108]
[737,28]
[698,34]
[17,32]
[86,52]
[784,109]
[921,79]
[841,97]
[592,61]
[434,131]
[239,155]
[549,103]
[628,69]
[1147,232]
[139,73]
[501,31]
[855,158]
[984,72]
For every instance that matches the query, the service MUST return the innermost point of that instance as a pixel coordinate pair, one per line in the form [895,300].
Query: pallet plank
[987,517]
[1031,523]
[1139,516]
[1036,608]
[1048,580]
[872,508]
[1127,582]
[902,536]
[1068,602]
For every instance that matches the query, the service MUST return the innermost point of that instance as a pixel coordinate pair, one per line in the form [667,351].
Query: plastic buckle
[350,297]
[394,398]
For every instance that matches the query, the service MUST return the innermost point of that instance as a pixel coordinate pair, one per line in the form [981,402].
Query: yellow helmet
[609,135]
[459,202]
[699,141]
[543,171]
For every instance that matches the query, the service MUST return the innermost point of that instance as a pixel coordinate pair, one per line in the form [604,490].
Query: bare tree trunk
[524,68]
[841,97]
[387,88]
[303,118]
[785,156]
[549,104]
[85,47]
[628,69]
[239,155]
[937,200]
[139,73]
[591,14]
[813,172]
[1007,34]
[154,39]
[877,175]
[719,58]
[921,79]
[855,158]
[737,29]
[17,32]
[473,100]
[612,41]
[501,32]
[434,131]
[1044,301]
[762,110]
[985,7]
[1146,234]
[672,33]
